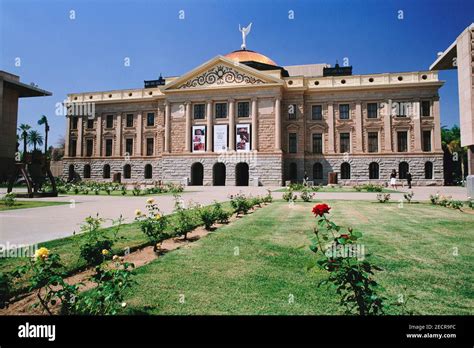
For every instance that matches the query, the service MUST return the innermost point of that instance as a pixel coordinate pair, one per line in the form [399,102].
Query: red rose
[321,209]
[345,236]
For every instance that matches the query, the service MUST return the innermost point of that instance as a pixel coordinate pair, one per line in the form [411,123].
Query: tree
[455,154]
[35,138]
[44,120]
[24,128]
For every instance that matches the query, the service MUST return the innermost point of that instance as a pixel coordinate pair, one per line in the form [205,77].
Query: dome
[249,56]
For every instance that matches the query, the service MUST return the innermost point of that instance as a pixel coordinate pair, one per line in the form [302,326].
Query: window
[427,140]
[425,108]
[403,170]
[292,143]
[106,171]
[129,146]
[292,112]
[402,141]
[317,112]
[199,111]
[74,122]
[243,109]
[373,142]
[372,110]
[429,170]
[87,171]
[109,121]
[345,171]
[402,108]
[344,111]
[373,170]
[150,119]
[317,171]
[90,124]
[127,171]
[344,142]
[317,143]
[89,147]
[221,110]
[149,146]
[129,120]
[108,147]
[148,171]
[72,147]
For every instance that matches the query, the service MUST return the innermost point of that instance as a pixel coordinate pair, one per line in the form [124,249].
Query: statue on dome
[245,31]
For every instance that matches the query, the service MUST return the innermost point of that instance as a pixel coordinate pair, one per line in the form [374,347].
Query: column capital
[254,99]
[187,102]
[231,100]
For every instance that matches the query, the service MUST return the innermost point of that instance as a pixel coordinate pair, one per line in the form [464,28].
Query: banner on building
[220,138]
[242,137]
[199,138]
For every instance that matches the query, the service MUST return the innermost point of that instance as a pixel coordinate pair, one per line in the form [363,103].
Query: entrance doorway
[197,174]
[218,174]
[242,174]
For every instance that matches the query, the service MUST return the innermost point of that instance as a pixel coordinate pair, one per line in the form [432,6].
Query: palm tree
[24,128]
[35,138]
[44,120]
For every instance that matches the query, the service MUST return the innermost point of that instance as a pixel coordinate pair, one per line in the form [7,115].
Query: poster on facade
[242,137]
[220,138]
[199,138]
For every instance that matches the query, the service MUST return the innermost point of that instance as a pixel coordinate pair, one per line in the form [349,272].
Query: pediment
[221,72]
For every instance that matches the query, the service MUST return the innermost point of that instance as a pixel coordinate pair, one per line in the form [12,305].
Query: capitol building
[242,119]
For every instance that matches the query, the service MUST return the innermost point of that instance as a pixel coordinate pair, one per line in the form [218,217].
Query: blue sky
[87,53]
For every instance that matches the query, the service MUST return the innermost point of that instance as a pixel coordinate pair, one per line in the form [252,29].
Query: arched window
[403,170]
[87,171]
[345,171]
[373,170]
[148,171]
[429,170]
[106,171]
[293,172]
[127,171]
[317,171]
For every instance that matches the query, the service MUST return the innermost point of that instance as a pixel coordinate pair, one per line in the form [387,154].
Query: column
[167,126]
[209,126]
[67,138]
[417,125]
[387,127]
[358,127]
[331,141]
[437,126]
[188,127]
[254,124]
[231,124]
[277,124]
[98,137]
[80,131]
[139,144]
[118,136]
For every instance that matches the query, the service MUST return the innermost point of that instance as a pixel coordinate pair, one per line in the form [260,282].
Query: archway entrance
[218,174]
[197,174]
[71,173]
[242,174]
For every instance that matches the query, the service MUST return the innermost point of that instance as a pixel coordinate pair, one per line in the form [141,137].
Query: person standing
[409,179]
[393,179]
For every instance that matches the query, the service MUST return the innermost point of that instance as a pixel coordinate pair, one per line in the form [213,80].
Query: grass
[255,265]
[342,189]
[29,204]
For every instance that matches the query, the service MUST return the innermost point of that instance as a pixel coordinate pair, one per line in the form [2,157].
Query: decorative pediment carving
[221,75]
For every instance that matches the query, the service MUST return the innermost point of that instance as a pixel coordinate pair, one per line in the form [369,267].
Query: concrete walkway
[36,225]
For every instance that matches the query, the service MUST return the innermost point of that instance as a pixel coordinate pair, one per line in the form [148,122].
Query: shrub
[434,199]
[207,216]
[268,198]
[306,195]
[220,214]
[383,197]
[316,188]
[372,187]
[153,224]
[184,218]
[288,195]
[358,188]
[455,204]
[409,196]
[136,191]
[9,199]
[240,203]
[123,190]
[5,289]
[296,186]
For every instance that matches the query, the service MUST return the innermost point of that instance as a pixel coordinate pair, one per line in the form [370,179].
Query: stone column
[254,124]
[277,124]
[209,126]
[118,136]
[98,136]
[67,138]
[139,144]
[358,128]
[188,127]
[387,127]
[80,133]
[470,163]
[417,125]
[331,141]
[231,124]
[167,127]
[437,126]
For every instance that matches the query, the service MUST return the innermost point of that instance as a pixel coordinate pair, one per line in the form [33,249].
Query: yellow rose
[115,258]
[157,216]
[138,212]
[150,201]
[105,252]
[41,253]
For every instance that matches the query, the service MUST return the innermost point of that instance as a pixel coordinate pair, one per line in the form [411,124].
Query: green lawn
[342,189]
[413,244]
[29,204]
